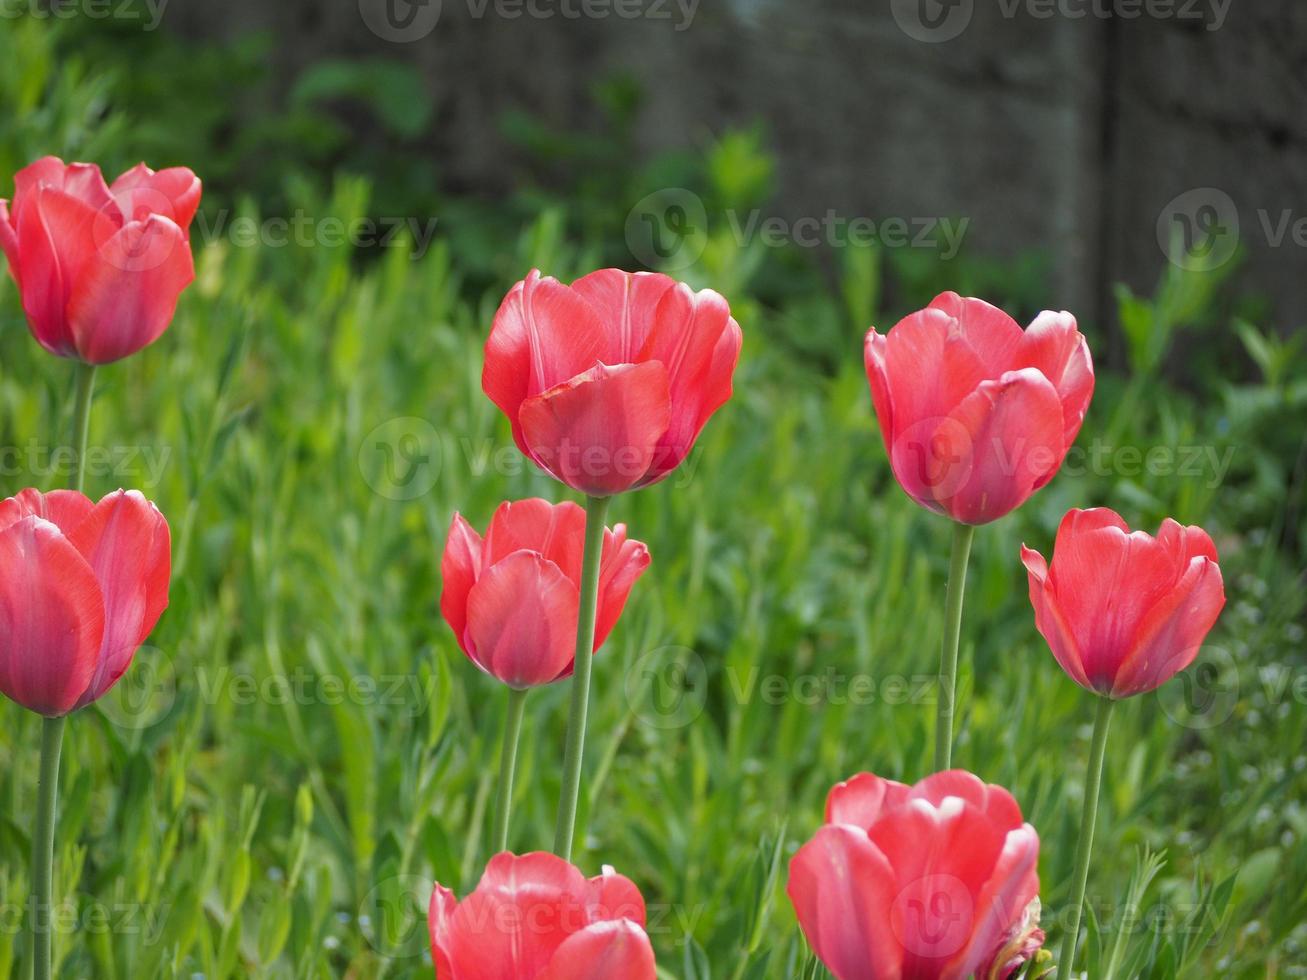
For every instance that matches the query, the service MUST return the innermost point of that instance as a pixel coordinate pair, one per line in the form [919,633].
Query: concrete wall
[1047,124]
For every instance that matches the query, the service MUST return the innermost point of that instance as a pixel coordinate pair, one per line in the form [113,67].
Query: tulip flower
[937,880]
[81,586]
[976,415]
[99,267]
[1123,612]
[608,382]
[536,917]
[513,600]
[512,597]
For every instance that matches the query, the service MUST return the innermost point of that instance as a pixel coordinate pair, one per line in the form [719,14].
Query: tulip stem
[596,510]
[82,422]
[47,793]
[1093,781]
[948,658]
[508,765]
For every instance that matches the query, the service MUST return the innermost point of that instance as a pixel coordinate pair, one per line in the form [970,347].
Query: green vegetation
[303,749]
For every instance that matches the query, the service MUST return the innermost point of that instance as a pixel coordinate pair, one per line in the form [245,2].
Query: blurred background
[378,172]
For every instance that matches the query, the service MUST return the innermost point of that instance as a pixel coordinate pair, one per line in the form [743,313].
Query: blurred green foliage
[302,749]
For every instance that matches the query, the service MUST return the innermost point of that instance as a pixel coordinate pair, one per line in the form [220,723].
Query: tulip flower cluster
[606,385]
[99,269]
[939,880]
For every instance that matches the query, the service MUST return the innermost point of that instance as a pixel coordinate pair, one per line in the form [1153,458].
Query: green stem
[508,765]
[596,509]
[47,792]
[1093,780]
[948,658]
[82,422]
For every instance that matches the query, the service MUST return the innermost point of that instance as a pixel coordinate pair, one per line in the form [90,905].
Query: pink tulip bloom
[976,414]
[513,598]
[81,586]
[1123,611]
[935,881]
[536,917]
[608,382]
[99,268]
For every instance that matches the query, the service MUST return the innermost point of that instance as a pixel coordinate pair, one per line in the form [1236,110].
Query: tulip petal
[603,951]
[860,800]
[698,342]
[126,542]
[993,335]
[1050,622]
[51,618]
[555,531]
[521,912]
[1004,438]
[994,801]
[439,914]
[65,509]
[840,885]
[521,621]
[614,896]
[459,567]
[942,858]
[80,180]
[1055,347]
[1012,886]
[597,432]
[9,243]
[544,333]
[173,192]
[623,561]
[1170,635]
[125,298]
[931,368]
[56,245]
[881,399]
[626,303]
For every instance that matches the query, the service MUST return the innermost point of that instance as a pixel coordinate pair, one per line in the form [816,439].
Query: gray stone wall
[1044,122]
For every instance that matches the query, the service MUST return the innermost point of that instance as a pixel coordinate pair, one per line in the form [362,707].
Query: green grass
[302,749]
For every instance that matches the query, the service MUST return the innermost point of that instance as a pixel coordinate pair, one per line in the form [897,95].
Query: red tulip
[536,917]
[81,586]
[1123,611]
[608,382]
[99,267]
[936,880]
[976,414]
[512,599]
